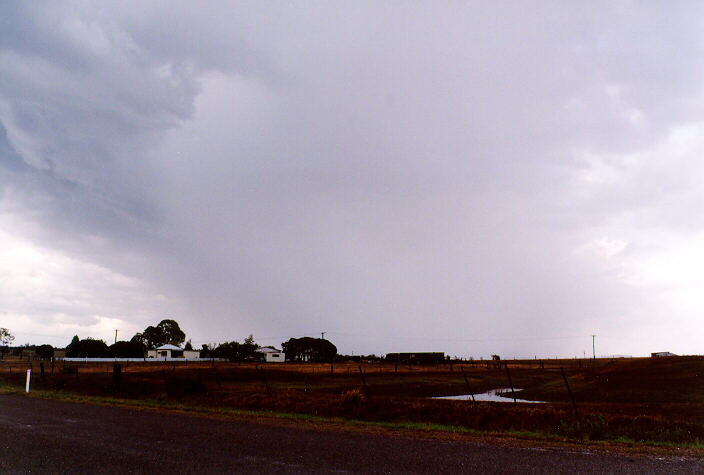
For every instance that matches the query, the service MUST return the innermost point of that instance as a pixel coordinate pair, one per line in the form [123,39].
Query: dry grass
[658,400]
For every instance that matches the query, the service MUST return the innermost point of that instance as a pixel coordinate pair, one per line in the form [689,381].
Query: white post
[29,375]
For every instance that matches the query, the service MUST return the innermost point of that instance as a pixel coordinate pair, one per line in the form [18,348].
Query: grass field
[643,400]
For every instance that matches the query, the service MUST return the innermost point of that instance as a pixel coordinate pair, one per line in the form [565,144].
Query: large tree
[45,352]
[235,351]
[309,349]
[88,348]
[6,337]
[166,332]
[127,349]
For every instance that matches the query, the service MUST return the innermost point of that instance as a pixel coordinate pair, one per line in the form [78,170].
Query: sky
[470,177]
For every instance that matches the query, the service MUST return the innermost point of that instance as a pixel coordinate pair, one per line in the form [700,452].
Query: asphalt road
[51,436]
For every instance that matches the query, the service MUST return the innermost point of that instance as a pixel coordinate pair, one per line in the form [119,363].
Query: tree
[309,349]
[127,349]
[88,348]
[6,337]
[235,351]
[166,332]
[73,346]
[189,345]
[45,352]
[230,350]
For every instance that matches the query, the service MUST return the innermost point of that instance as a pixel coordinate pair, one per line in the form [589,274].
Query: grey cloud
[361,168]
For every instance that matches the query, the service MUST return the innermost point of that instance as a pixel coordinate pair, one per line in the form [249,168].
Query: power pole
[115,335]
[322,335]
[593,347]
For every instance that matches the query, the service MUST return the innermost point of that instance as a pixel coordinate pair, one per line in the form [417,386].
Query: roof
[268,349]
[169,347]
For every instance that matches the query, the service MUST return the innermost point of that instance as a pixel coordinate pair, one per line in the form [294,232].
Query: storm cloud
[475,178]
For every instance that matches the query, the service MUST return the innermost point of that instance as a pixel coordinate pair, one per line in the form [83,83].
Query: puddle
[494,395]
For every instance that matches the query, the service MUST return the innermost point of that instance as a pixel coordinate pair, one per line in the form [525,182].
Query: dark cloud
[448,177]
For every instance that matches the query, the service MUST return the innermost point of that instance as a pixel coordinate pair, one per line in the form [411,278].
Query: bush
[353,398]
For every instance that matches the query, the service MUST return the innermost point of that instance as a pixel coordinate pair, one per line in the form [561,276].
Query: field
[642,400]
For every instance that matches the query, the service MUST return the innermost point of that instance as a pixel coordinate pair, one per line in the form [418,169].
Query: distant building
[271,354]
[416,358]
[662,353]
[172,351]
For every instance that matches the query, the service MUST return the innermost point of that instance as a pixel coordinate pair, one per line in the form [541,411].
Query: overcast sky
[467,177]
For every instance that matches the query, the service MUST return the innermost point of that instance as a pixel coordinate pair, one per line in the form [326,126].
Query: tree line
[168,331]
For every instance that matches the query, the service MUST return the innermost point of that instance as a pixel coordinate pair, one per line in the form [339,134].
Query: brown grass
[659,400]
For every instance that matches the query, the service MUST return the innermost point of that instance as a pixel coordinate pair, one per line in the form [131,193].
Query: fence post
[217,379]
[569,391]
[466,381]
[364,382]
[116,376]
[41,367]
[513,391]
[29,375]
[266,383]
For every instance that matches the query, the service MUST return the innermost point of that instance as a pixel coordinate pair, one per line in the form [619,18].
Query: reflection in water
[494,395]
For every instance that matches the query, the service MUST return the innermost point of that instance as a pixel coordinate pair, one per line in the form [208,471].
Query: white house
[272,355]
[172,351]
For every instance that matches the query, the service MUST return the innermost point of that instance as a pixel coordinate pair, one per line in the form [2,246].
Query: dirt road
[51,436]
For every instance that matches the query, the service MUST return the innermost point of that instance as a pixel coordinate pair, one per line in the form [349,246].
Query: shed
[272,355]
[662,353]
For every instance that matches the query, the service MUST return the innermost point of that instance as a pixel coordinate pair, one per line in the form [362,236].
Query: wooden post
[513,391]
[466,381]
[331,369]
[116,377]
[569,391]
[266,383]
[217,379]
[364,382]
[41,368]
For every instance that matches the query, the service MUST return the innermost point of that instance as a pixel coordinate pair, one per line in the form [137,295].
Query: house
[662,353]
[271,354]
[172,351]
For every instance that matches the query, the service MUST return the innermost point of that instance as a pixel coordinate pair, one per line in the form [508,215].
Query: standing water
[493,395]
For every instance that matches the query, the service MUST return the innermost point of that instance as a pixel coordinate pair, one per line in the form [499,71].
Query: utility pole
[593,347]
[322,335]
[115,335]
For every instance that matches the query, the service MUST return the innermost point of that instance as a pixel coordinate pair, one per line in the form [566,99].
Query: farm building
[416,358]
[662,353]
[172,351]
[272,355]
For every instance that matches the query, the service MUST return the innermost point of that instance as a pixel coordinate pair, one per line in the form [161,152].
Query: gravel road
[52,436]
